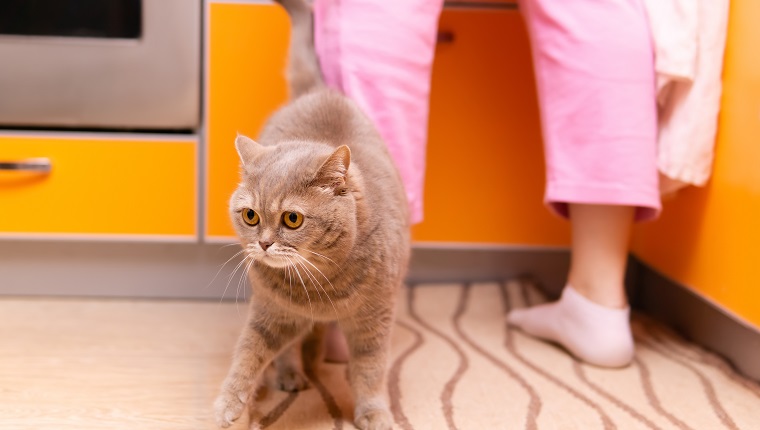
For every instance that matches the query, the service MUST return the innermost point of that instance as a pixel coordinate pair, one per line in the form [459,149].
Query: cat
[322,218]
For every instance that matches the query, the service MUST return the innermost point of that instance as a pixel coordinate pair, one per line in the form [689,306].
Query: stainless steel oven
[100,64]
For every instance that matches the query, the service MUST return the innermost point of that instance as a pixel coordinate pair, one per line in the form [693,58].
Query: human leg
[599,252]
[336,347]
[591,318]
[595,82]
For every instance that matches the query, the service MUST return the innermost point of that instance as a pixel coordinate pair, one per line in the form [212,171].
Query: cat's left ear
[247,149]
[332,174]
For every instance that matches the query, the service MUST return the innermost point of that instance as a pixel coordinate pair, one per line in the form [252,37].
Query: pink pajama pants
[380,53]
[594,70]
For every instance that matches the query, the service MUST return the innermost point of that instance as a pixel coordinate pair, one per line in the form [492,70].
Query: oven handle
[42,165]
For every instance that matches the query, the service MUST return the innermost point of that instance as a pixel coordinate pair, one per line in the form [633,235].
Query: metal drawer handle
[42,165]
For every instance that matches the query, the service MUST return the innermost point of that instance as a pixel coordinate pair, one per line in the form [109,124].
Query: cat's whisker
[317,269]
[318,284]
[229,279]
[312,278]
[222,267]
[232,276]
[290,284]
[243,280]
[237,293]
[247,283]
[309,275]
[304,259]
[225,246]
[306,290]
[323,256]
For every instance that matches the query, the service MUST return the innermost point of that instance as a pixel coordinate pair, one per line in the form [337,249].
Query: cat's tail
[303,72]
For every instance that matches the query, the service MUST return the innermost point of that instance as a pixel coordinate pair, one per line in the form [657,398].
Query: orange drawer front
[99,186]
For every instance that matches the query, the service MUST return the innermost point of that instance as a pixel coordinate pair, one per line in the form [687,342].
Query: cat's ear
[247,148]
[332,174]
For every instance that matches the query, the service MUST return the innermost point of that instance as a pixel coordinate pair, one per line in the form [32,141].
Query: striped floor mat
[455,365]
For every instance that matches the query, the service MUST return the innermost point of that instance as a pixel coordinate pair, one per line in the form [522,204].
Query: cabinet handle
[445,37]
[42,165]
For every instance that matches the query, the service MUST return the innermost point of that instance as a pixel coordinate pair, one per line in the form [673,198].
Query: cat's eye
[292,219]
[250,217]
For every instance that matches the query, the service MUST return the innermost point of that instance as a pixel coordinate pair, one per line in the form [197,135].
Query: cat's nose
[265,244]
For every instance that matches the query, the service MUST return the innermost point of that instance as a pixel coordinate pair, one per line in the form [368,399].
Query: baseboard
[479,263]
[697,319]
[187,271]
[117,269]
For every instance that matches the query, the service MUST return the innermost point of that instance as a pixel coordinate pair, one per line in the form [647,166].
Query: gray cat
[322,217]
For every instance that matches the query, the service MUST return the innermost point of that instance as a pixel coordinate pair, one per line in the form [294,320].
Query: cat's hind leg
[289,370]
[300,359]
[369,345]
[314,348]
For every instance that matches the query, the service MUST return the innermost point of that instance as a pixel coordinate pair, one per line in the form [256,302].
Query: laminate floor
[79,364]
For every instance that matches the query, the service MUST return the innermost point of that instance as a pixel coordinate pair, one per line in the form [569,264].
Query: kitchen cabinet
[247,45]
[100,186]
[484,124]
[484,178]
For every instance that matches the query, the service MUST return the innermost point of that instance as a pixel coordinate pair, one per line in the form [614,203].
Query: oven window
[72,18]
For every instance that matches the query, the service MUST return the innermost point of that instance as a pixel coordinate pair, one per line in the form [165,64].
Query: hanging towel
[689,40]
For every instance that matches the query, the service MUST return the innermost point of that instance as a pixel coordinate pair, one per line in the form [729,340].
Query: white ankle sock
[594,333]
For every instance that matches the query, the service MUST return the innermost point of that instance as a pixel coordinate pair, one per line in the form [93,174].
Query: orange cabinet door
[484,179]
[99,188]
[485,171]
[247,45]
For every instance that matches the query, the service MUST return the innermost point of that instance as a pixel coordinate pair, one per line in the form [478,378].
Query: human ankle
[611,295]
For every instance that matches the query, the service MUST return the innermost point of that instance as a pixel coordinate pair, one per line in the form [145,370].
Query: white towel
[689,40]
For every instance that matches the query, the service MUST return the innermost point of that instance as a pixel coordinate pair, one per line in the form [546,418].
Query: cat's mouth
[275,261]
[278,257]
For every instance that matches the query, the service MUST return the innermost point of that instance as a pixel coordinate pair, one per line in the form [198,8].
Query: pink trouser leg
[380,54]
[594,71]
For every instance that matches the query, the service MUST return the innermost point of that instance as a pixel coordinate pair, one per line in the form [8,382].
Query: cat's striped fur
[320,157]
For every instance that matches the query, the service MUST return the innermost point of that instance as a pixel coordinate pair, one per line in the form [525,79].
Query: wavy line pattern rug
[131,364]
[456,366]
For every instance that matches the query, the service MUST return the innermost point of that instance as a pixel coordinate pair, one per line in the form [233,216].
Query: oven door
[115,64]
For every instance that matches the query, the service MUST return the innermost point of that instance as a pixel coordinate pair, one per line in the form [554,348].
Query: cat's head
[294,203]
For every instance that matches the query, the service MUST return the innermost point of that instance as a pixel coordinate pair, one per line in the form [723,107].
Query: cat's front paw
[374,419]
[291,380]
[228,407]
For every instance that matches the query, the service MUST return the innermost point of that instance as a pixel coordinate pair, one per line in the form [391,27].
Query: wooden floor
[112,364]
[70,364]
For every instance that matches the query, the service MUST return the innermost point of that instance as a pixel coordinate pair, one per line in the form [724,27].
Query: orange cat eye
[250,217]
[292,219]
